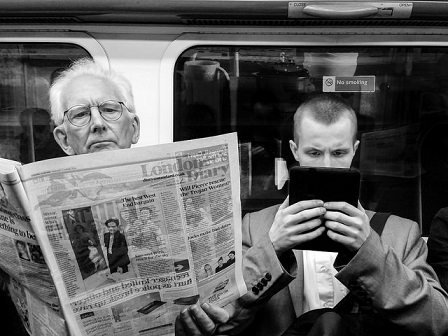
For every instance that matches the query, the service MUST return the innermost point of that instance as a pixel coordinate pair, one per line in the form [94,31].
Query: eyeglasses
[80,115]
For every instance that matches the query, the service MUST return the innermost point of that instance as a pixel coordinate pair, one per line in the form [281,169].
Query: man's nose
[326,161]
[97,123]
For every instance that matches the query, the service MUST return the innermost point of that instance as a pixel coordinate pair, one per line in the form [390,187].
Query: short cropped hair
[325,108]
[80,67]
[112,220]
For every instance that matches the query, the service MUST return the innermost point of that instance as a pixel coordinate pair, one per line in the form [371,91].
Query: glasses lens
[110,110]
[79,115]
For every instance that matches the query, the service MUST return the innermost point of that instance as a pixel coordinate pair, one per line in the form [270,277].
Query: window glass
[400,95]
[26,73]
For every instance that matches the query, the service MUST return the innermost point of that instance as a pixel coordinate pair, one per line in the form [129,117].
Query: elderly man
[388,273]
[93,109]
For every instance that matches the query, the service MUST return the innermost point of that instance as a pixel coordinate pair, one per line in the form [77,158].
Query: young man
[388,273]
[231,260]
[220,266]
[117,249]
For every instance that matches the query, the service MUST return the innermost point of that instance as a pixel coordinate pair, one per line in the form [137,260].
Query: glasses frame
[98,107]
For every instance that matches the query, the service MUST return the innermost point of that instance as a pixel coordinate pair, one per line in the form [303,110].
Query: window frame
[187,41]
[315,38]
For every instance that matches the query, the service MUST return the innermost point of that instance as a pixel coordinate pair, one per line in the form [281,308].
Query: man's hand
[296,224]
[346,224]
[200,320]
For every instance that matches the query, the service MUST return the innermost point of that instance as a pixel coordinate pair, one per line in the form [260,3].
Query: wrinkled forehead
[351,126]
[90,90]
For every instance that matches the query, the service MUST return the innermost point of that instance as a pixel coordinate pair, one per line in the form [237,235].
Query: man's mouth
[99,144]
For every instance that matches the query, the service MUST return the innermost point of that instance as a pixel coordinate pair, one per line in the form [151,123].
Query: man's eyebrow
[306,148]
[342,147]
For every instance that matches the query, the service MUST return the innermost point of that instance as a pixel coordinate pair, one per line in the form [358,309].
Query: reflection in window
[26,73]
[402,116]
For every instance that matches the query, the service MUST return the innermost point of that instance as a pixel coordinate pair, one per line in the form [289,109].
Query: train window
[400,95]
[26,73]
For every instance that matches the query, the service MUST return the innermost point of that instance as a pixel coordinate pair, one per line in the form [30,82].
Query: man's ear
[60,136]
[136,128]
[355,146]
[294,148]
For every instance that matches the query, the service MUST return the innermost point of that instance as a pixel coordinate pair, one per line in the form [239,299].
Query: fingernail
[205,305]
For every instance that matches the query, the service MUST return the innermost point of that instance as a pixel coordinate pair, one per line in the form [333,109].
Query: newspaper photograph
[134,236]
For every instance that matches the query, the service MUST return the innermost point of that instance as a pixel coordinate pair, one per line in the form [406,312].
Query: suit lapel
[296,286]
[107,239]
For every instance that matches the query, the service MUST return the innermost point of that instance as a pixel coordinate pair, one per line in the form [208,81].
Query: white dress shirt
[111,242]
[322,289]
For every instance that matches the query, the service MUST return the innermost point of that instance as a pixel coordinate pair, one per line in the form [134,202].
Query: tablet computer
[326,184]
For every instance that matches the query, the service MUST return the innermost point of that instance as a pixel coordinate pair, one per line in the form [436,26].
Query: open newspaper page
[22,259]
[177,242]
[37,317]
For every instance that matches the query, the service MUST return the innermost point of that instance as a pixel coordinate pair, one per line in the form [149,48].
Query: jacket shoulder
[396,224]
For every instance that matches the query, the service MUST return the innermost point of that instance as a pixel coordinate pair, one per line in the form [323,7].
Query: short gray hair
[86,66]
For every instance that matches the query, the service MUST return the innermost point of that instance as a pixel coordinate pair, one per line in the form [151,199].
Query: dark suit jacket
[390,272]
[438,246]
[119,256]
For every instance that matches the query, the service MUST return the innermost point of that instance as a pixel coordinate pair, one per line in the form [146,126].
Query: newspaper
[37,317]
[27,277]
[178,239]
